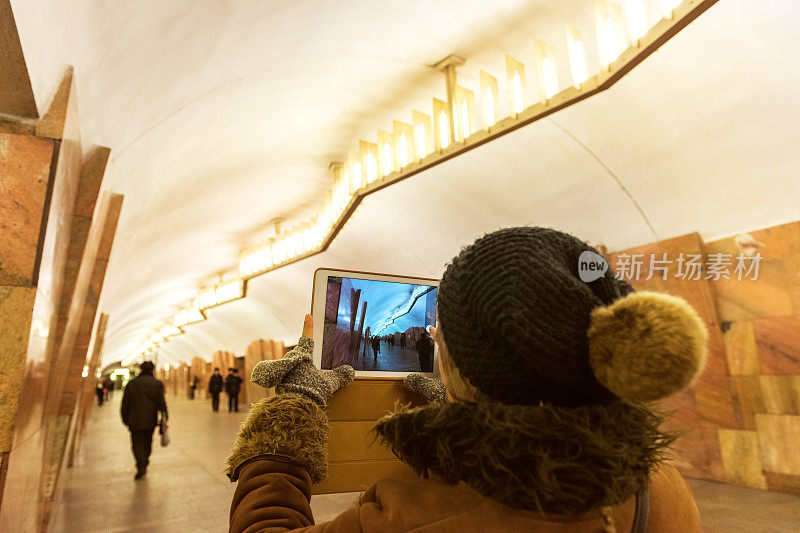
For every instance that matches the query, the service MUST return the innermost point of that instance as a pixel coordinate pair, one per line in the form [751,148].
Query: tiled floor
[390,358]
[185,488]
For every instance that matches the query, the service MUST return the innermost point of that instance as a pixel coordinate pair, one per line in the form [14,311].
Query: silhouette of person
[142,400]
[100,392]
[425,350]
[233,385]
[376,347]
[215,386]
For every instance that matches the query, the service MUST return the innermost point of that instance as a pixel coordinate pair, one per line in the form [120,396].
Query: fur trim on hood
[545,458]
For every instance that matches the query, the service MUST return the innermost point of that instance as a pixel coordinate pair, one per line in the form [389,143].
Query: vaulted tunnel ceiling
[223,115]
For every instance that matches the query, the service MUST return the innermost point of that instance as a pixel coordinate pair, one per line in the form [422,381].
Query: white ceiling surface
[223,115]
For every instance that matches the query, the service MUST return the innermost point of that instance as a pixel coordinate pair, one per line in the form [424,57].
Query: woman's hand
[432,389]
[296,374]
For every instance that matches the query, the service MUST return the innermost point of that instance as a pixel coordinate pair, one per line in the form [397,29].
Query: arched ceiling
[223,115]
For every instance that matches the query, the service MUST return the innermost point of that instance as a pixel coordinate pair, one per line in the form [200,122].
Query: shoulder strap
[642,512]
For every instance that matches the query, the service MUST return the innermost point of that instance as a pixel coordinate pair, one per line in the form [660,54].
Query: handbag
[162,430]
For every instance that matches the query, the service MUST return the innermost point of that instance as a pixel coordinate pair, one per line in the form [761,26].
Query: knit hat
[523,328]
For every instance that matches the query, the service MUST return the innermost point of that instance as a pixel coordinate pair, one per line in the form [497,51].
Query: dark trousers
[215,401]
[233,402]
[142,445]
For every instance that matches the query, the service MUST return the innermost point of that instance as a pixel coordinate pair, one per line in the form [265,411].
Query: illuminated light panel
[169,331]
[610,40]
[577,57]
[226,292]
[419,139]
[206,298]
[550,77]
[386,152]
[403,143]
[488,99]
[516,82]
[518,95]
[546,72]
[355,172]
[607,44]
[668,6]
[464,120]
[371,166]
[189,315]
[441,125]
[256,260]
[444,129]
[403,150]
[488,102]
[636,17]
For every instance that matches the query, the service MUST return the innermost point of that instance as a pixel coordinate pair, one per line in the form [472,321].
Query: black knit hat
[516,316]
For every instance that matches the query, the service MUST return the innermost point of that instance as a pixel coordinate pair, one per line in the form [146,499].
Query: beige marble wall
[740,423]
[259,350]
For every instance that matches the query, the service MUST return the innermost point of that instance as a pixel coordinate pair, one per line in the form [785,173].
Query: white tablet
[376,323]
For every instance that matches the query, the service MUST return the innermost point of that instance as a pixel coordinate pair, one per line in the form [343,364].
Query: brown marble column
[86,400]
[66,369]
[40,182]
[259,350]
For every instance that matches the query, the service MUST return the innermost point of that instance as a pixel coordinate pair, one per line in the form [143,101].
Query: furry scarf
[545,458]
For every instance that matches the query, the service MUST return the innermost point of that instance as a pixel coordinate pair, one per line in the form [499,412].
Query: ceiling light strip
[453,130]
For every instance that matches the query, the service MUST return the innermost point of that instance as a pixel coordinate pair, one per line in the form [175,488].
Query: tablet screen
[378,325]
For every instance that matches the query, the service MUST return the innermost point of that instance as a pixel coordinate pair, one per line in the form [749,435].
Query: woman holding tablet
[540,422]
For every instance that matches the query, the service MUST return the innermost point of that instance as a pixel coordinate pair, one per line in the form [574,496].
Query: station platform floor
[185,488]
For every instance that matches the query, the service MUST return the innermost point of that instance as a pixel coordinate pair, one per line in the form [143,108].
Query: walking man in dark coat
[142,400]
[215,385]
[233,384]
[376,347]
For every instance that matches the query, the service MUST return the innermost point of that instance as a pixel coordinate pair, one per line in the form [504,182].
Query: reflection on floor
[389,357]
[185,489]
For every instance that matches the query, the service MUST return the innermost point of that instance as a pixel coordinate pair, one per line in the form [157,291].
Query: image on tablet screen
[378,325]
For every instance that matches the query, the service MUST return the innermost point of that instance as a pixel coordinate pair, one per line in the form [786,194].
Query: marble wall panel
[257,351]
[16,312]
[714,402]
[780,394]
[16,92]
[90,282]
[777,289]
[24,177]
[22,508]
[748,396]
[778,436]
[740,348]
[778,344]
[697,454]
[741,458]
[681,412]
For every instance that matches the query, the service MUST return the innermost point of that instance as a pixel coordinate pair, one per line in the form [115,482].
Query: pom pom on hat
[647,346]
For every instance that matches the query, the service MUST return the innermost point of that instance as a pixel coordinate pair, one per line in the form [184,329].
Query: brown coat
[484,466]
[273,495]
